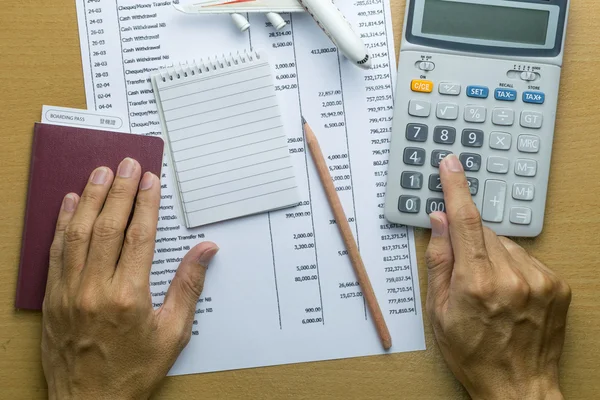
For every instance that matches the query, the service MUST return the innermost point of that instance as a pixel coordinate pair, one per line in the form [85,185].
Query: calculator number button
[414,156]
[409,204]
[498,165]
[420,85]
[523,191]
[520,215]
[435,183]
[476,114]
[417,132]
[500,141]
[503,116]
[435,205]
[531,119]
[411,180]
[447,111]
[449,88]
[494,198]
[527,168]
[529,144]
[444,135]
[472,138]
[418,108]
[437,156]
[473,185]
[470,162]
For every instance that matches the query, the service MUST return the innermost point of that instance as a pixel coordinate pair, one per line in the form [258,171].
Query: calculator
[479,79]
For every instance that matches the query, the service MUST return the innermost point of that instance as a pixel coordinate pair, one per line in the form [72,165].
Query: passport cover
[62,159]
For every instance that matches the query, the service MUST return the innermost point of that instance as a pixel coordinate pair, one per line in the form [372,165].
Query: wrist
[534,390]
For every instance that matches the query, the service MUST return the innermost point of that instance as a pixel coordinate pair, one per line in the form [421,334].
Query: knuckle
[469,216]
[518,288]
[482,291]
[91,196]
[564,291]
[192,289]
[138,233]
[76,233]
[544,286]
[145,202]
[107,227]
[86,303]
[119,191]
[435,257]
[56,252]
[125,302]
[184,336]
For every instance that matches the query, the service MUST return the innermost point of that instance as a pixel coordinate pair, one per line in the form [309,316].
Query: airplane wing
[240,6]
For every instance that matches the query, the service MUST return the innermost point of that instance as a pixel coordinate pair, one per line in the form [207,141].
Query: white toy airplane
[325,13]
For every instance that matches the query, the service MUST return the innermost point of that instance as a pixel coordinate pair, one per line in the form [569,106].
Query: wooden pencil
[348,237]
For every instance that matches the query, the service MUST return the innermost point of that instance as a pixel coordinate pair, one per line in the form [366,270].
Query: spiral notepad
[226,138]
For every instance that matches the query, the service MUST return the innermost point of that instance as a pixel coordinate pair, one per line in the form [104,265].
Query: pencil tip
[303,121]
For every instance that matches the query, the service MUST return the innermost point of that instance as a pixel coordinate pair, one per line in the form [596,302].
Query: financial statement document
[282,289]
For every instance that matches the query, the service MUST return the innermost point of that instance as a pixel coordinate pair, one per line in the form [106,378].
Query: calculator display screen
[485,22]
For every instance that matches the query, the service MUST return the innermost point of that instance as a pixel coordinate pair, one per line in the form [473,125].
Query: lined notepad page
[226,138]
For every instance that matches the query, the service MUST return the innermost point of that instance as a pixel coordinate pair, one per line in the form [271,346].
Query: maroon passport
[62,159]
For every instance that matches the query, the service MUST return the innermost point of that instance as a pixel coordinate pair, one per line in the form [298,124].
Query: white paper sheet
[282,289]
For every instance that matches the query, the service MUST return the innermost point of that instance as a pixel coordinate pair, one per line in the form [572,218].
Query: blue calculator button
[534,97]
[480,92]
[505,94]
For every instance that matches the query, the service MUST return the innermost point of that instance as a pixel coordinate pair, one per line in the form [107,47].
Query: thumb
[440,263]
[186,287]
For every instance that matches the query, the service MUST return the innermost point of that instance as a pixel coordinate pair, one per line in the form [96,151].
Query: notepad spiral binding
[200,67]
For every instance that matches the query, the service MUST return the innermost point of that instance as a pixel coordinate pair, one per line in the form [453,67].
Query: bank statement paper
[282,289]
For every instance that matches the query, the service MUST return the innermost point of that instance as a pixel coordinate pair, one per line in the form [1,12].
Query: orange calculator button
[420,85]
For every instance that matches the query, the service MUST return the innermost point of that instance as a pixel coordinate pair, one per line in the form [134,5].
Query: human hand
[499,315]
[101,337]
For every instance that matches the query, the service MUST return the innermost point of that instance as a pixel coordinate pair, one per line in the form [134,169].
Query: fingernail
[69,203]
[126,168]
[452,163]
[147,181]
[99,176]
[206,257]
[438,228]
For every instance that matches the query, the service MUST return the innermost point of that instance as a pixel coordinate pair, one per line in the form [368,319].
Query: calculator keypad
[502,136]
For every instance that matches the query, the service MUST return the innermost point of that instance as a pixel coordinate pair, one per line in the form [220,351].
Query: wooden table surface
[40,64]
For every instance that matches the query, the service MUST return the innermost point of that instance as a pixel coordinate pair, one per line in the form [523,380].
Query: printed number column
[323,104]
[389,263]
[292,230]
